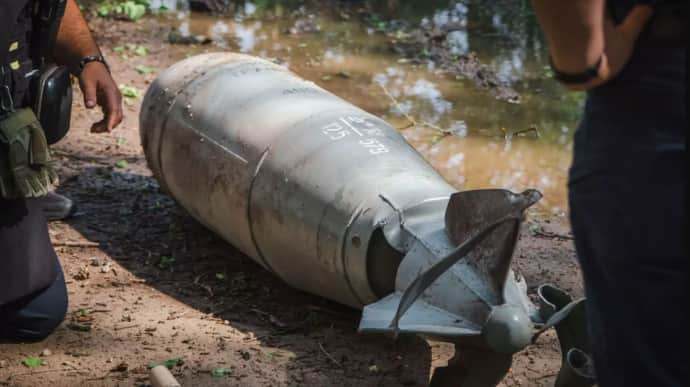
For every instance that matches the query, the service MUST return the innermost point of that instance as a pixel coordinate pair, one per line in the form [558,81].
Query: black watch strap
[583,77]
[93,58]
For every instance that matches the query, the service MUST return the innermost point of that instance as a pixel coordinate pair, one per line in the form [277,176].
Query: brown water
[351,59]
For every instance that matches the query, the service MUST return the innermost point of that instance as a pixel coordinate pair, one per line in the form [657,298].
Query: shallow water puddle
[347,53]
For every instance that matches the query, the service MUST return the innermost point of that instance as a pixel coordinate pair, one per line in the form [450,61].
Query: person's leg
[33,297]
[27,258]
[628,233]
[36,316]
[662,262]
[596,220]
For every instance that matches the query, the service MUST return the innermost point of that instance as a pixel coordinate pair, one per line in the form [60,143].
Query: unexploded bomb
[334,201]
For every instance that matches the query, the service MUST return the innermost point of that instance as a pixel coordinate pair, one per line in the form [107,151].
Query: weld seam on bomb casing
[344,256]
[286,136]
[252,232]
[162,127]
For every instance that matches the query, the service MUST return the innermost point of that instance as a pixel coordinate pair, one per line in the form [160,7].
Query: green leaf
[133,11]
[221,372]
[121,164]
[534,228]
[141,50]
[169,364]
[32,362]
[166,262]
[220,276]
[119,49]
[103,11]
[129,91]
[141,69]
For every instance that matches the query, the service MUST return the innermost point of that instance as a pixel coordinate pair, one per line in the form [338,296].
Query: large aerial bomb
[335,202]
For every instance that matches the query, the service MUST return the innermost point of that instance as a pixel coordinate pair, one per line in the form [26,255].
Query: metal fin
[424,280]
[422,318]
[469,211]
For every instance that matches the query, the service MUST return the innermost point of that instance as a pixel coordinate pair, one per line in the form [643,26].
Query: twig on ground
[319,309]
[30,373]
[528,130]
[439,129]
[328,355]
[86,159]
[552,235]
[199,277]
[207,289]
[546,376]
[126,327]
[412,121]
[76,244]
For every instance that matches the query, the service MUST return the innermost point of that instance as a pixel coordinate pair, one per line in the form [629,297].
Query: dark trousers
[628,219]
[33,296]
[34,317]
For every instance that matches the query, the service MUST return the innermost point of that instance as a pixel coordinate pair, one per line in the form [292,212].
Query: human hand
[620,38]
[100,89]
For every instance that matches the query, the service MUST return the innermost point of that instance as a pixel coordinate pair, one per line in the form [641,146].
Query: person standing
[628,181]
[33,296]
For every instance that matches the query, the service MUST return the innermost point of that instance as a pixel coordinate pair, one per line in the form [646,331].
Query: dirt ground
[147,283]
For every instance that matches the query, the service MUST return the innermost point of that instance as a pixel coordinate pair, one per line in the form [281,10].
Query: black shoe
[57,207]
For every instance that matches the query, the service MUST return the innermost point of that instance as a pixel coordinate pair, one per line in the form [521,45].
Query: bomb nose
[508,329]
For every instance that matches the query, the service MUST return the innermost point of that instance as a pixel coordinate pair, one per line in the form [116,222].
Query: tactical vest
[35,98]
[28,29]
[16,63]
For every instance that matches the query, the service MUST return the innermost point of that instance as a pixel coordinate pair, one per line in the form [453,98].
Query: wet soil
[147,283]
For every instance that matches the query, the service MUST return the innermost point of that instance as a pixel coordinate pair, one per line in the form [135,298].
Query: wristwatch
[93,58]
[579,78]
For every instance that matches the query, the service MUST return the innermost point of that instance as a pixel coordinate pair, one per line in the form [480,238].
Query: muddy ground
[147,283]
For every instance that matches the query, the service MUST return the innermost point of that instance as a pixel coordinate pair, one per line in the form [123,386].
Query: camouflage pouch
[26,168]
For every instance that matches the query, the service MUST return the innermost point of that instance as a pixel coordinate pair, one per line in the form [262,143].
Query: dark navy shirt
[640,114]
[9,13]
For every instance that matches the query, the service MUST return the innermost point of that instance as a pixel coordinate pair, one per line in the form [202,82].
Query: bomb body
[335,202]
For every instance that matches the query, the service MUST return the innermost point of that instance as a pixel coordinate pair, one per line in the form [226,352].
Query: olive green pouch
[26,168]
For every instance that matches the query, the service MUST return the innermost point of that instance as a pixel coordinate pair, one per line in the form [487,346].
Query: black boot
[57,207]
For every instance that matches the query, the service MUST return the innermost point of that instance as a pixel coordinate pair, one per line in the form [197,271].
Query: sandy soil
[148,283]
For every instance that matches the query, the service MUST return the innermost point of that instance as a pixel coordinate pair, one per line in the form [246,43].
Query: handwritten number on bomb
[374,146]
[339,130]
[335,131]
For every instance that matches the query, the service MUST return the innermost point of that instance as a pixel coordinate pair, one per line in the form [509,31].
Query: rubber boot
[57,207]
